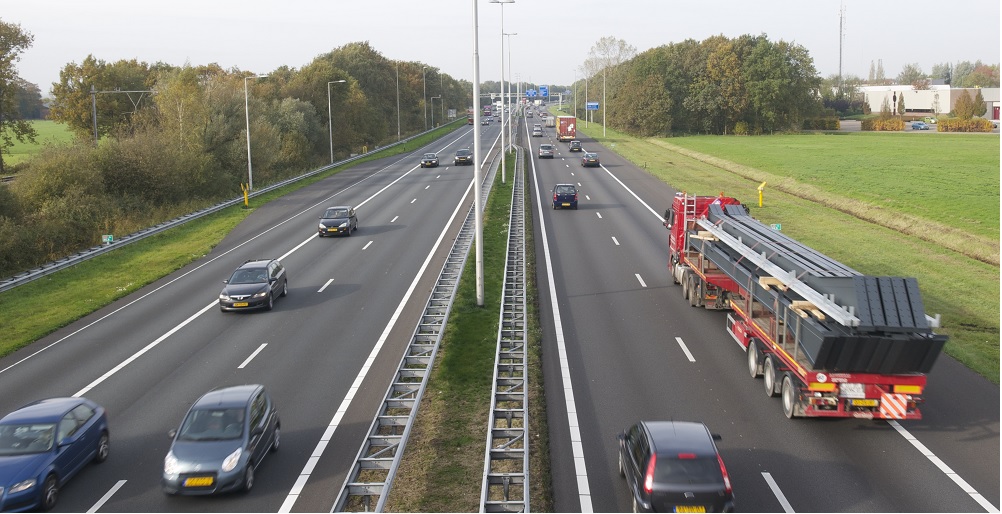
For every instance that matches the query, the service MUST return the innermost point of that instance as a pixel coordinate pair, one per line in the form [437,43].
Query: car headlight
[171,464]
[343,225]
[262,294]
[322,227]
[231,461]
[223,297]
[22,486]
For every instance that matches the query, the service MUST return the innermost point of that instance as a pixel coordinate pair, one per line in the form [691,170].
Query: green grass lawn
[49,132]
[848,211]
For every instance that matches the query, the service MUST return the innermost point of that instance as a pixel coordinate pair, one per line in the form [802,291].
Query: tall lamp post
[478,214]
[398,101]
[250,170]
[511,141]
[503,148]
[424,95]
[330,119]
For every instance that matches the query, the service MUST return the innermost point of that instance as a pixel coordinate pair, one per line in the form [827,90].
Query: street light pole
[503,148]
[330,119]
[603,102]
[511,142]
[398,100]
[250,171]
[478,214]
[424,95]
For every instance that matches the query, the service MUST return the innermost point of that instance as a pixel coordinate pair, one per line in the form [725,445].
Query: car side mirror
[257,430]
[227,281]
[65,442]
[716,437]
[172,433]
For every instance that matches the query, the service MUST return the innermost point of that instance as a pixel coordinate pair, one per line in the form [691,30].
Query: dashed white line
[599,214]
[685,349]
[776,491]
[614,240]
[394,219]
[414,200]
[426,187]
[973,493]
[587,197]
[639,278]
[107,496]
[367,245]
[259,348]
[329,282]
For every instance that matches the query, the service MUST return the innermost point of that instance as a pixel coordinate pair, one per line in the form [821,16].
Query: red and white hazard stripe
[893,406]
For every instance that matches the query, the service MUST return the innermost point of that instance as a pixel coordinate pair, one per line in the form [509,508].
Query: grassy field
[49,132]
[843,217]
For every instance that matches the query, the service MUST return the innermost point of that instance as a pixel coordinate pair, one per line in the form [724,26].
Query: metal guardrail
[505,486]
[77,258]
[368,482]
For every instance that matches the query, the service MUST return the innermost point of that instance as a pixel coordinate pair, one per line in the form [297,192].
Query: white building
[938,99]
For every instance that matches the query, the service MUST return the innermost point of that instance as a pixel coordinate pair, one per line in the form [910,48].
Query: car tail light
[575,197]
[649,475]
[723,471]
[554,197]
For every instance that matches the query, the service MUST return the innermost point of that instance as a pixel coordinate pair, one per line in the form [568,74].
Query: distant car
[537,132]
[43,445]
[254,285]
[590,159]
[930,120]
[463,156]
[221,441]
[546,151]
[919,125]
[575,146]
[565,195]
[674,466]
[483,121]
[429,160]
[338,220]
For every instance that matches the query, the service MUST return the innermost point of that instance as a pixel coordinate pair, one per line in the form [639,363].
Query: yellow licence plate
[332,230]
[690,508]
[565,204]
[240,304]
[863,403]
[198,482]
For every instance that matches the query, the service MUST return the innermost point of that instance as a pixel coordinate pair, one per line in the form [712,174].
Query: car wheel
[103,446]
[753,359]
[50,492]
[285,288]
[789,402]
[249,477]
[769,376]
[271,302]
[278,438]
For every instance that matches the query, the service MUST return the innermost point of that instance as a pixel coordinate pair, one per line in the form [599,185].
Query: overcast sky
[553,37]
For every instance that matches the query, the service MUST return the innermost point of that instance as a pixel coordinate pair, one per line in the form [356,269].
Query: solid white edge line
[580,468]
[329,282]
[304,475]
[107,496]
[777,492]
[632,193]
[251,357]
[952,475]
[642,283]
[685,349]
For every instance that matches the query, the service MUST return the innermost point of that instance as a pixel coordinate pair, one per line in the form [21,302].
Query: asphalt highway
[631,348]
[147,357]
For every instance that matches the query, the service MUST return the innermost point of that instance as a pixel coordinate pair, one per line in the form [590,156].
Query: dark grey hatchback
[674,466]
[222,440]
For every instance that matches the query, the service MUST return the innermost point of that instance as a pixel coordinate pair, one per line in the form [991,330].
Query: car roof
[673,437]
[235,396]
[48,410]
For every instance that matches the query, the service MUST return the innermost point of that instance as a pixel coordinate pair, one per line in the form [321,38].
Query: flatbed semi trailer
[829,340]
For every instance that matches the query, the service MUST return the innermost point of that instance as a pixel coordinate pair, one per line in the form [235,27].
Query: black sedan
[338,220]
[674,466]
[590,159]
[429,160]
[222,440]
[43,445]
[463,157]
[254,285]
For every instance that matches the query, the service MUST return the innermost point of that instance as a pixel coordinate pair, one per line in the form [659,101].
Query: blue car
[43,445]
[565,195]
[919,125]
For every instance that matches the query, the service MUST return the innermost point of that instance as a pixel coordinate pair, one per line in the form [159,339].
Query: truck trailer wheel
[753,366]
[769,376]
[684,280]
[791,407]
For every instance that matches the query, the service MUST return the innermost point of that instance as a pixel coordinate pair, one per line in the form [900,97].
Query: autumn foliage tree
[13,42]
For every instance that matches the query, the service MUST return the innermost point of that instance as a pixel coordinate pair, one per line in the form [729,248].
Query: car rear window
[700,470]
[565,189]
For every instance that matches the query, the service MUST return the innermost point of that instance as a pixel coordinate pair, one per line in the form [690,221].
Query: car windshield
[25,439]
[429,156]
[336,213]
[463,152]
[702,470]
[212,425]
[249,276]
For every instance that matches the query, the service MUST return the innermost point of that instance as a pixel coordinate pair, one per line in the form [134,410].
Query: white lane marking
[579,184]
[145,349]
[572,173]
[659,216]
[642,283]
[577,449]
[599,214]
[614,240]
[428,186]
[367,245]
[394,219]
[777,492]
[251,357]
[414,200]
[973,493]
[107,496]
[685,349]
[587,197]
[328,434]
[440,176]
[329,282]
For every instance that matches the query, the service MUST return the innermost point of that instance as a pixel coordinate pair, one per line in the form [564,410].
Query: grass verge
[964,290]
[442,468]
[38,308]
[49,132]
